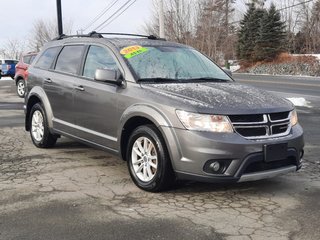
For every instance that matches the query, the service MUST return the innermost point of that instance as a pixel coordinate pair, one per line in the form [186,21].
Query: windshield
[172,63]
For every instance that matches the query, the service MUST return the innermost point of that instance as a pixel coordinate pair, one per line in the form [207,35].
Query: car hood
[219,98]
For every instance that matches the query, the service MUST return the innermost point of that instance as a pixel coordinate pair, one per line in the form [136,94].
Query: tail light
[26,74]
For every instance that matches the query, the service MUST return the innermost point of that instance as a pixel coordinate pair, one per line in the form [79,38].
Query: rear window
[10,62]
[47,58]
[69,59]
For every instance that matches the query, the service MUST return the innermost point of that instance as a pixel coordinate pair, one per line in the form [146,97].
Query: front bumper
[244,159]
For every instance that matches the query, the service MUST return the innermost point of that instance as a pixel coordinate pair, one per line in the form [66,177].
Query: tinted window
[69,59]
[32,58]
[26,59]
[47,58]
[98,57]
[10,62]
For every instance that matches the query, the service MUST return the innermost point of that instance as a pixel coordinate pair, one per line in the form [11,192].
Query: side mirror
[227,71]
[109,76]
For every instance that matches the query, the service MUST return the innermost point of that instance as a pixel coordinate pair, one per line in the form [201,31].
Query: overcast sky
[18,16]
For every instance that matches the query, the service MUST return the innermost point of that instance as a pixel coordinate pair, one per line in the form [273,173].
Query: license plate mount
[275,152]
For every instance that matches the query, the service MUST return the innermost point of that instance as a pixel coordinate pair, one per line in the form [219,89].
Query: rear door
[95,103]
[59,86]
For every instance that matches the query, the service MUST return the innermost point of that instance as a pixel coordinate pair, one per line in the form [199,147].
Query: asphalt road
[308,87]
[76,192]
[290,84]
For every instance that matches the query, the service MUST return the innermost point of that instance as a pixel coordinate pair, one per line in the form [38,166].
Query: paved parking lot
[76,192]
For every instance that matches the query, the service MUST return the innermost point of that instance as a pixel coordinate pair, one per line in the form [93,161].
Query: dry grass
[282,58]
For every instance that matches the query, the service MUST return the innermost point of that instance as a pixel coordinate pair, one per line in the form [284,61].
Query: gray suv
[163,107]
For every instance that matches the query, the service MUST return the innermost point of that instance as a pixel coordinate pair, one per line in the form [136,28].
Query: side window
[98,57]
[32,58]
[47,58]
[26,59]
[69,59]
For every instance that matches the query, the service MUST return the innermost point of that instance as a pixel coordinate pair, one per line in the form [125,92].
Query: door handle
[48,80]
[80,88]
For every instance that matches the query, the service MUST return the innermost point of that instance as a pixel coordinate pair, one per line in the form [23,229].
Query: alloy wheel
[144,159]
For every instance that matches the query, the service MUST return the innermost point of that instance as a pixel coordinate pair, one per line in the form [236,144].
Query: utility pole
[59,18]
[161,20]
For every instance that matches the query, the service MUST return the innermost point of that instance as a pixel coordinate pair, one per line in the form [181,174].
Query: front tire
[39,129]
[21,88]
[148,160]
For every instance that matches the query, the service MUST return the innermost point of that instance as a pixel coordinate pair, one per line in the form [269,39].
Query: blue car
[8,67]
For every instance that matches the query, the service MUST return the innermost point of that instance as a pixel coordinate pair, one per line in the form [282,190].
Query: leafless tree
[203,24]
[13,48]
[44,31]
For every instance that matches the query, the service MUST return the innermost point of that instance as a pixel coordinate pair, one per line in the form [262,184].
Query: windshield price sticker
[132,51]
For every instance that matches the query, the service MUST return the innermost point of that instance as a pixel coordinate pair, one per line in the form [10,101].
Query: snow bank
[299,102]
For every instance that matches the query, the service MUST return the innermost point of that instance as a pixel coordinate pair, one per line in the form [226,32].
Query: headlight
[293,118]
[203,122]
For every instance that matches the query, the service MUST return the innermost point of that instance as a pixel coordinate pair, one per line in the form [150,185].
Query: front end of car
[237,148]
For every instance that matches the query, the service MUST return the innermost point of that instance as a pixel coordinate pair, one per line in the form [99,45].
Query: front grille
[259,126]
[246,118]
[252,131]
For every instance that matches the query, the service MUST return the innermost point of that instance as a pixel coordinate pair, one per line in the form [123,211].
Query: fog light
[215,166]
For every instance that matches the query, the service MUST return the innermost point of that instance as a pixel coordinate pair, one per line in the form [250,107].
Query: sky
[18,19]
[18,16]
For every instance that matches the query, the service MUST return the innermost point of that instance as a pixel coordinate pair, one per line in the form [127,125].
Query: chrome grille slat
[271,128]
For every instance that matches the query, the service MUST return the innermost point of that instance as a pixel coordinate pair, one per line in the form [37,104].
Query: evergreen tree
[261,34]
[249,31]
[271,35]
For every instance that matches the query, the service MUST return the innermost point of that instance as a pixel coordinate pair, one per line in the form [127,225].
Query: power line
[116,12]
[284,8]
[294,5]
[104,11]
[108,23]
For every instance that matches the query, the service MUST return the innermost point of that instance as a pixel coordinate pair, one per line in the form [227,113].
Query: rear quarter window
[26,59]
[46,59]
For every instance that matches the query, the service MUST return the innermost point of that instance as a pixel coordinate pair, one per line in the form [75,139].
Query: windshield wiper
[209,79]
[158,79]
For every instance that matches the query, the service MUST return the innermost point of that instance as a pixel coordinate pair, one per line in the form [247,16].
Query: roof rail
[99,35]
[91,34]
[152,37]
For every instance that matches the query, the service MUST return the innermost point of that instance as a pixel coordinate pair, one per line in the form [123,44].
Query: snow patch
[5,79]
[234,68]
[300,102]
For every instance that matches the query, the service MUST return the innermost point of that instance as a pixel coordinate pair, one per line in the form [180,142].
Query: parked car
[7,67]
[22,72]
[163,107]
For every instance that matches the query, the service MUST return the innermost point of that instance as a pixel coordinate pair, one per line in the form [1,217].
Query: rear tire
[39,129]
[148,160]
[21,88]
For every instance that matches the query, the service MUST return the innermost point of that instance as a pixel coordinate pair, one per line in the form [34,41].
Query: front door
[95,103]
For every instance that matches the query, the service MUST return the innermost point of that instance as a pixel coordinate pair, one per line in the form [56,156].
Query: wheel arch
[139,115]
[17,78]
[37,95]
